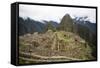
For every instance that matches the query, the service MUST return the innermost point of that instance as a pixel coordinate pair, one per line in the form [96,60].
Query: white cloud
[55,13]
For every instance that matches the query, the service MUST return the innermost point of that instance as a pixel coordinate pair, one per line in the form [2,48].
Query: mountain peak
[67,15]
[66,23]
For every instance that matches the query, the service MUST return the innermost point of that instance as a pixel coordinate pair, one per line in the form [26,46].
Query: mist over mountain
[67,23]
[84,28]
[46,41]
[90,25]
[80,27]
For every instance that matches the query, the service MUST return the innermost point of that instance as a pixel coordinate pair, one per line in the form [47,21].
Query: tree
[49,26]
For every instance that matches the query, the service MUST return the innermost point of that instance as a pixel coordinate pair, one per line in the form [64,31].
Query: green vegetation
[59,43]
[67,42]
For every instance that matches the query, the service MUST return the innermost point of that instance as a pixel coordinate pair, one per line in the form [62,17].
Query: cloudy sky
[54,13]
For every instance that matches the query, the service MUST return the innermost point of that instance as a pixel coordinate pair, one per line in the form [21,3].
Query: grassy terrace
[53,47]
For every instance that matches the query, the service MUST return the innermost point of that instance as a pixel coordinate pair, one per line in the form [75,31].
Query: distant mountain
[53,23]
[30,25]
[91,26]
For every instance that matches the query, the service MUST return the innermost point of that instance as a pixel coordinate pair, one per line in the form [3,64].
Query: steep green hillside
[66,23]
